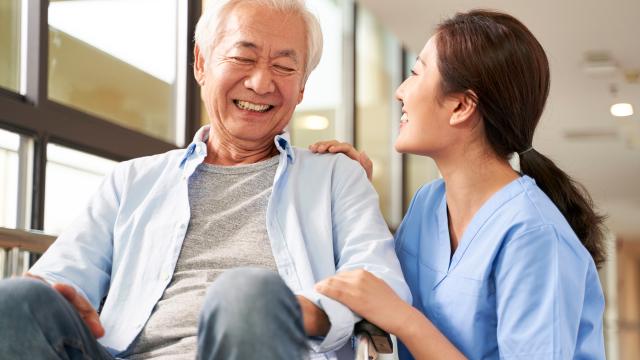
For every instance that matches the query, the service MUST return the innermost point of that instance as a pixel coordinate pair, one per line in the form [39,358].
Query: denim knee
[17,292]
[240,297]
[247,283]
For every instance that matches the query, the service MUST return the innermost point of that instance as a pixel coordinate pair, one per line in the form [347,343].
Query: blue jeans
[247,314]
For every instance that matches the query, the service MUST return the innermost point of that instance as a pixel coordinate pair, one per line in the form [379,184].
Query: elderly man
[214,250]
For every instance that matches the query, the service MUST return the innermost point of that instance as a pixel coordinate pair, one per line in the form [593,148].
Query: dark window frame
[35,116]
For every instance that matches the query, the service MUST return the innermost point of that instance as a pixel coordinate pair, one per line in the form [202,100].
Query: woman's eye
[413,73]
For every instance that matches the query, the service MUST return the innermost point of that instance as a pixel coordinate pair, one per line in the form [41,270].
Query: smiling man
[213,251]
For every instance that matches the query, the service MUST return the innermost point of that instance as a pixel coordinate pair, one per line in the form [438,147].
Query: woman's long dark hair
[496,57]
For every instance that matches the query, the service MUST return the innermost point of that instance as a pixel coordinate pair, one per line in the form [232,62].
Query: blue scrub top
[520,285]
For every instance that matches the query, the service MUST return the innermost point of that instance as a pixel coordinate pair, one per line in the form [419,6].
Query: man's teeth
[245,105]
[404,118]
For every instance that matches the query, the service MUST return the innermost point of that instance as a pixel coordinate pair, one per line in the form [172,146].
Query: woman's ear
[465,108]
[198,65]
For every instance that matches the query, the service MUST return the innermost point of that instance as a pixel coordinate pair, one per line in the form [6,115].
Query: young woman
[501,264]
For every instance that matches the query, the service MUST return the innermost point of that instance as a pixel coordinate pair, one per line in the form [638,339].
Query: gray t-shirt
[227,229]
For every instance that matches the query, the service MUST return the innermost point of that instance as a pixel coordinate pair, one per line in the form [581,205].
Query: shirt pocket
[464,300]
[464,310]
[464,286]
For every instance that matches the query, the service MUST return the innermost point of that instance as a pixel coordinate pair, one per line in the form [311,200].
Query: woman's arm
[375,301]
[549,302]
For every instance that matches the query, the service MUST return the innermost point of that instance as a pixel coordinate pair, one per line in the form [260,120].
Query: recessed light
[621,109]
[314,122]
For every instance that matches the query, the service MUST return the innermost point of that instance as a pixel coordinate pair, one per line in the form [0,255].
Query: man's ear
[465,104]
[198,65]
[301,95]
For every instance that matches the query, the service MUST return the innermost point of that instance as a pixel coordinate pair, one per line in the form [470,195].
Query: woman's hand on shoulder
[334,146]
[369,297]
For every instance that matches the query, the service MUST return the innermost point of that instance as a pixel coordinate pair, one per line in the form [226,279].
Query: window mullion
[37,51]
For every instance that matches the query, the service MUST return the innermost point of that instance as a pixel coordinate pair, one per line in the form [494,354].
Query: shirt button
[165,275]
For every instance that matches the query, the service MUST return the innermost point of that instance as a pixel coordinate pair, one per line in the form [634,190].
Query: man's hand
[334,146]
[316,322]
[82,306]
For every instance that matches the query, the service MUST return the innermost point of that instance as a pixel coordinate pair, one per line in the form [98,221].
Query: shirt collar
[283,143]
[197,150]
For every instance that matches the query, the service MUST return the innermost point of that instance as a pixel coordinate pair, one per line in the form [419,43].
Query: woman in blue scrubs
[501,264]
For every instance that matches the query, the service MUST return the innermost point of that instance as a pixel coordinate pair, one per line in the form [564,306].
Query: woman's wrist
[407,321]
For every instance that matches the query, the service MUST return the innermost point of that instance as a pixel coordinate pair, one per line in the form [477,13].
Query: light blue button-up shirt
[322,217]
[520,285]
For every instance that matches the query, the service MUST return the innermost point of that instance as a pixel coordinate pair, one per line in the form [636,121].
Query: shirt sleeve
[541,283]
[361,241]
[82,255]
[341,318]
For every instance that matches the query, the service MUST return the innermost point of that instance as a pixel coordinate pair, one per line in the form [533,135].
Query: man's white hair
[212,21]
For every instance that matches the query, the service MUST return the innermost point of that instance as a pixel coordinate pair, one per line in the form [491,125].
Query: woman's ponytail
[572,200]
[511,80]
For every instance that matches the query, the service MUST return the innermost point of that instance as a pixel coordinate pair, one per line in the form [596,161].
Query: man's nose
[260,80]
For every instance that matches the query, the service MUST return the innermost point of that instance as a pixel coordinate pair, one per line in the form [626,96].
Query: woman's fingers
[366,163]
[334,146]
[322,146]
[368,296]
[348,287]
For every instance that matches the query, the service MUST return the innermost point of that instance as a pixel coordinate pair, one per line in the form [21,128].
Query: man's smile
[245,105]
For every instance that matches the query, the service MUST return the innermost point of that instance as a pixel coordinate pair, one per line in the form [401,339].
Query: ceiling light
[621,109]
[314,122]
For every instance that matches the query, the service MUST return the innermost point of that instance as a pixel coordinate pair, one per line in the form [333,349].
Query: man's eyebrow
[245,44]
[290,53]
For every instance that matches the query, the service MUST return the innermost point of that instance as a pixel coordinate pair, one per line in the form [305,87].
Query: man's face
[253,78]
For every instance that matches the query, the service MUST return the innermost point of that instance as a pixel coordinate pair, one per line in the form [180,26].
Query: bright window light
[621,109]
[120,28]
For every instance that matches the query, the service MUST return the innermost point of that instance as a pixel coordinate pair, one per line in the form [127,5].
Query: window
[377,75]
[10,22]
[104,62]
[9,145]
[316,116]
[72,178]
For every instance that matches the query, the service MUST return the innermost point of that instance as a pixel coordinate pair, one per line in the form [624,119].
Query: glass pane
[10,44]
[117,60]
[72,178]
[317,114]
[9,144]
[374,89]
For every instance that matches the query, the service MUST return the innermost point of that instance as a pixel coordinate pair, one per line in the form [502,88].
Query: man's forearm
[316,322]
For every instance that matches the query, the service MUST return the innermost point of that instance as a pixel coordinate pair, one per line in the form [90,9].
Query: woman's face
[424,126]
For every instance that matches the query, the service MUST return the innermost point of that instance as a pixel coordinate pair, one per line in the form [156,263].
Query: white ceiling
[608,165]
